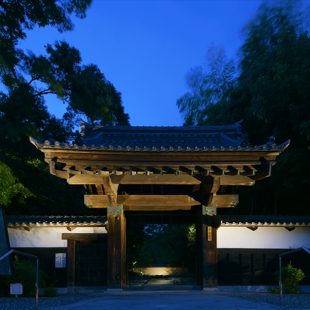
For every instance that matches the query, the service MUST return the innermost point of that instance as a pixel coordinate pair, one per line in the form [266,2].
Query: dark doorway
[87,259]
[91,262]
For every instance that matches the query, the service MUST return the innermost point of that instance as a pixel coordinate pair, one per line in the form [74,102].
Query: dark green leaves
[10,188]
[271,94]
[83,87]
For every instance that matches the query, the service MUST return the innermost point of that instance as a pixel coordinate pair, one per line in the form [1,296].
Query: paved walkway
[156,300]
[165,300]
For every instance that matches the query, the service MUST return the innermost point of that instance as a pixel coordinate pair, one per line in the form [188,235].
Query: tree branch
[44,92]
[32,80]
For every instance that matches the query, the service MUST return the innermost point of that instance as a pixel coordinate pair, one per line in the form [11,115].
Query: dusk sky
[145,48]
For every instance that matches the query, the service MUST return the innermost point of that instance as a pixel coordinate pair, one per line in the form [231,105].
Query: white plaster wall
[45,237]
[263,237]
[227,237]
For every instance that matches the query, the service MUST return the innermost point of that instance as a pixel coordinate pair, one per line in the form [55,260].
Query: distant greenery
[25,81]
[163,245]
[270,92]
[10,187]
[292,276]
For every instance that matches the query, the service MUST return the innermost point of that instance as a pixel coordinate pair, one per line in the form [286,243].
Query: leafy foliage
[166,245]
[27,79]
[207,87]
[274,74]
[292,277]
[18,16]
[84,88]
[271,95]
[10,188]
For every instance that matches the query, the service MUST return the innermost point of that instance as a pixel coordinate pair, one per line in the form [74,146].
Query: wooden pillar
[207,249]
[117,266]
[71,263]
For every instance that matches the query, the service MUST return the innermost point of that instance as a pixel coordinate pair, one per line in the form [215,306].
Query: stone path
[186,300]
[154,300]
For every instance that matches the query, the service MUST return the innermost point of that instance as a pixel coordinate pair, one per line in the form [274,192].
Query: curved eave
[47,146]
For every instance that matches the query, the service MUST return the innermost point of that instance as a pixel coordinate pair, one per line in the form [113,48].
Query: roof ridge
[86,127]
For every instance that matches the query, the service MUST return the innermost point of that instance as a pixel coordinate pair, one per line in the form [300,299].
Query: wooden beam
[236,180]
[96,201]
[224,201]
[99,189]
[157,208]
[77,178]
[52,166]
[164,179]
[110,188]
[62,174]
[216,185]
[156,200]
[84,236]
[81,179]
[106,158]
[143,202]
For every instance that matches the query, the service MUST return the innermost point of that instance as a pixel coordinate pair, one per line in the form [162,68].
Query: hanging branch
[44,92]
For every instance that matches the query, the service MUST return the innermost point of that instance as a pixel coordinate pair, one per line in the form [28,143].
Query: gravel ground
[44,302]
[301,301]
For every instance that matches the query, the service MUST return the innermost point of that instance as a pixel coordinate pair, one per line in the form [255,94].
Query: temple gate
[167,170]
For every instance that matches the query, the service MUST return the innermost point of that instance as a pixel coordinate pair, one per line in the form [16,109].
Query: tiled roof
[157,137]
[264,220]
[137,138]
[226,220]
[56,220]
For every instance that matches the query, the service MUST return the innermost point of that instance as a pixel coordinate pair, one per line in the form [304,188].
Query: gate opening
[161,255]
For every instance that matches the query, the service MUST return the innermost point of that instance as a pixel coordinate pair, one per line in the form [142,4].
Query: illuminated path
[166,300]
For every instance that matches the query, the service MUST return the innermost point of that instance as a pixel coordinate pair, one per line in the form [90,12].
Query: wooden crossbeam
[143,202]
[236,180]
[81,179]
[224,201]
[164,179]
[62,174]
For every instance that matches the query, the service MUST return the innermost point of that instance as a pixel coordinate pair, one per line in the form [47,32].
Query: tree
[208,87]
[22,108]
[271,95]
[274,83]
[275,74]
[10,188]
[27,79]
[18,16]
[84,88]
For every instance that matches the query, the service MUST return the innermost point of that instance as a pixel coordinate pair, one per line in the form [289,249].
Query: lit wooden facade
[192,170]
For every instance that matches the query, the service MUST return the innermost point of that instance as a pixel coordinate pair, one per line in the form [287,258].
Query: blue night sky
[145,48]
